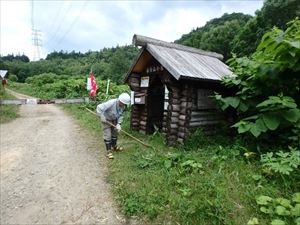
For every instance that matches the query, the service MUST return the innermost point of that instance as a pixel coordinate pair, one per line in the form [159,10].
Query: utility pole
[36,36]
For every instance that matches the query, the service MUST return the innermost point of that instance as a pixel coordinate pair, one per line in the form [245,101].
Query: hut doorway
[155,104]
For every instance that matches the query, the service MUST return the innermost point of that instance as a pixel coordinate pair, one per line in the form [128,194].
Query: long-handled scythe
[123,131]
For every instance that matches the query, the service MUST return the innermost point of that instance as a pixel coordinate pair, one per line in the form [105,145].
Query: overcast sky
[93,25]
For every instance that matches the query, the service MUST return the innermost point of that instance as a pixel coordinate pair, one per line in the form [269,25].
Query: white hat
[124,98]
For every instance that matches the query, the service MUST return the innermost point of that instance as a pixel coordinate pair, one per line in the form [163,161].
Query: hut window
[204,101]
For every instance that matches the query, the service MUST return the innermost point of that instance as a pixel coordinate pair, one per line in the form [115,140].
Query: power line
[71,26]
[54,21]
[60,24]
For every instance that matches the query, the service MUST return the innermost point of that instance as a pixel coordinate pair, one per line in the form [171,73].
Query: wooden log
[174,119]
[143,123]
[172,131]
[182,117]
[172,138]
[174,101]
[175,108]
[204,112]
[174,94]
[181,134]
[144,118]
[180,140]
[185,111]
[183,129]
[173,114]
[182,123]
[183,104]
[143,128]
[199,119]
[142,131]
[202,123]
[173,126]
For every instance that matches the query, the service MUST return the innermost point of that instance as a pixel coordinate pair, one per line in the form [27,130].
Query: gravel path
[52,171]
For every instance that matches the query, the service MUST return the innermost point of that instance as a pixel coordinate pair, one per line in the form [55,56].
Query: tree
[217,34]
[273,13]
[267,85]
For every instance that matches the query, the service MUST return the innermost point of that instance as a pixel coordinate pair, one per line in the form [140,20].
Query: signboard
[132,97]
[166,99]
[144,81]
[89,84]
[3,73]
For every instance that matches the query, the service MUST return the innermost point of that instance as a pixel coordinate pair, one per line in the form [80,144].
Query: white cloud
[93,25]
[174,24]
[15,28]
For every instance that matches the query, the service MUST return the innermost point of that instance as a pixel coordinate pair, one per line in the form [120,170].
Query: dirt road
[52,171]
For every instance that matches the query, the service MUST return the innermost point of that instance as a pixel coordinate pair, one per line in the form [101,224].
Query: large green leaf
[282,211]
[244,127]
[277,222]
[266,210]
[253,221]
[261,125]
[232,101]
[263,200]
[292,115]
[255,131]
[296,197]
[284,202]
[296,210]
[295,44]
[271,121]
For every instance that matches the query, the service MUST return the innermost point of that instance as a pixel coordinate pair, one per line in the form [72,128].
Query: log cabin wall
[204,112]
[189,106]
[138,120]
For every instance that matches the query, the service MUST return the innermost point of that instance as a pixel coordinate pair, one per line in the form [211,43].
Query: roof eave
[133,64]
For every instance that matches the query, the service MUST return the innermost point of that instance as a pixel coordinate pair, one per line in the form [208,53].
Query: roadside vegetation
[7,112]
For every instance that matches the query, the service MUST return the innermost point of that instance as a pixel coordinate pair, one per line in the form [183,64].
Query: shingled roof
[182,62]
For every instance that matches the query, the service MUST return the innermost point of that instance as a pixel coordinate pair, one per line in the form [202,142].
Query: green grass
[22,88]
[206,181]
[7,112]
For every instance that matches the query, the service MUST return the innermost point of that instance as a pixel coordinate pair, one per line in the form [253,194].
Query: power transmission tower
[37,43]
[36,36]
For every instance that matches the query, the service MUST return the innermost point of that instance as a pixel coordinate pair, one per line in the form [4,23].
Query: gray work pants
[109,132]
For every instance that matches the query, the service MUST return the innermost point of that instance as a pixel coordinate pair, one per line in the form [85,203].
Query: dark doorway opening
[155,104]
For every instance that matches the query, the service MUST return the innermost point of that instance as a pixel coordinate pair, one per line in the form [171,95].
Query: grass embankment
[206,181]
[23,88]
[7,112]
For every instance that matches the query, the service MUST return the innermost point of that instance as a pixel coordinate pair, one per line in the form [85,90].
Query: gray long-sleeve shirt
[111,110]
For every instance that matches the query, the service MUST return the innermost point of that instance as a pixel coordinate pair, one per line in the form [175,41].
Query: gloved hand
[118,127]
[103,119]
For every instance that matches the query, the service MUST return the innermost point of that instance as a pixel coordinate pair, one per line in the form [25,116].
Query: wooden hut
[171,85]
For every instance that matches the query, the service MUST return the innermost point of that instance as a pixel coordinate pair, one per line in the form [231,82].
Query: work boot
[109,155]
[114,145]
[108,149]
